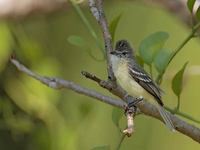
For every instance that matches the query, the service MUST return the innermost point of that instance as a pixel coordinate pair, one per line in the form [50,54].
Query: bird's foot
[135,102]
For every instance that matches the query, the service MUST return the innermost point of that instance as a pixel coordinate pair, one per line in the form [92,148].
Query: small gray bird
[135,80]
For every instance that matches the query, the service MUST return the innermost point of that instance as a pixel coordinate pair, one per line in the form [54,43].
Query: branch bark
[96,8]
[57,83]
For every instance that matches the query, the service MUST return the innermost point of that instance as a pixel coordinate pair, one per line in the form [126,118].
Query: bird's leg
[132,102]
[135,102]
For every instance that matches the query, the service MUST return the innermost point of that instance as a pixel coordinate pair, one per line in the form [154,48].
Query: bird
[135,80]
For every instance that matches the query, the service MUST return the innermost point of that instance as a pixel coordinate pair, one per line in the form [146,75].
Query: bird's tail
[166,118]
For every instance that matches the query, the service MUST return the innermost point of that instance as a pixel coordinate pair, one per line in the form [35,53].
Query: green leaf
[161,60]
[151,44]
[178,80]
[113,25]
[105,147]
[190,5]
[76,40]
[116,116]
[198,14]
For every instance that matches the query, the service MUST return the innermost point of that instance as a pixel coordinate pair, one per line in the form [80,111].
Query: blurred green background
[35,117]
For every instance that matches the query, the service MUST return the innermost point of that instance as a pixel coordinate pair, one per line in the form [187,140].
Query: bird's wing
[143,79]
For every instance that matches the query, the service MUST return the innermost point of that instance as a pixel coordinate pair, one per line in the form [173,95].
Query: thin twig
[130,113]
[112,87]
[178,49]
[121,141]
[57,83]
[182,114]
[88,25]
[91,76]
[96,8]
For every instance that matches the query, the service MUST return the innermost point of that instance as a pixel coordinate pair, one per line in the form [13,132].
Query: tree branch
[96,7]
[110,86]
[57,83]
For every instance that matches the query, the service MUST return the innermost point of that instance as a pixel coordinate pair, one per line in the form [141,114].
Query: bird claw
[135,102]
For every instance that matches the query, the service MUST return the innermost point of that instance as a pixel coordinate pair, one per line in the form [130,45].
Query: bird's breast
[126,81]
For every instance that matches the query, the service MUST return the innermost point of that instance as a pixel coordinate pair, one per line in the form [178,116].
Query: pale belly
[129,84]
[120,69]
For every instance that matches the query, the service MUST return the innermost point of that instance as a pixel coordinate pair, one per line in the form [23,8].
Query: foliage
[190,4]
[161,60]
[177,81]
[76,40]
[151,45]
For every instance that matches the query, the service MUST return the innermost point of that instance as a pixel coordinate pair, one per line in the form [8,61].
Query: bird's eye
[124,53]
[122,44]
